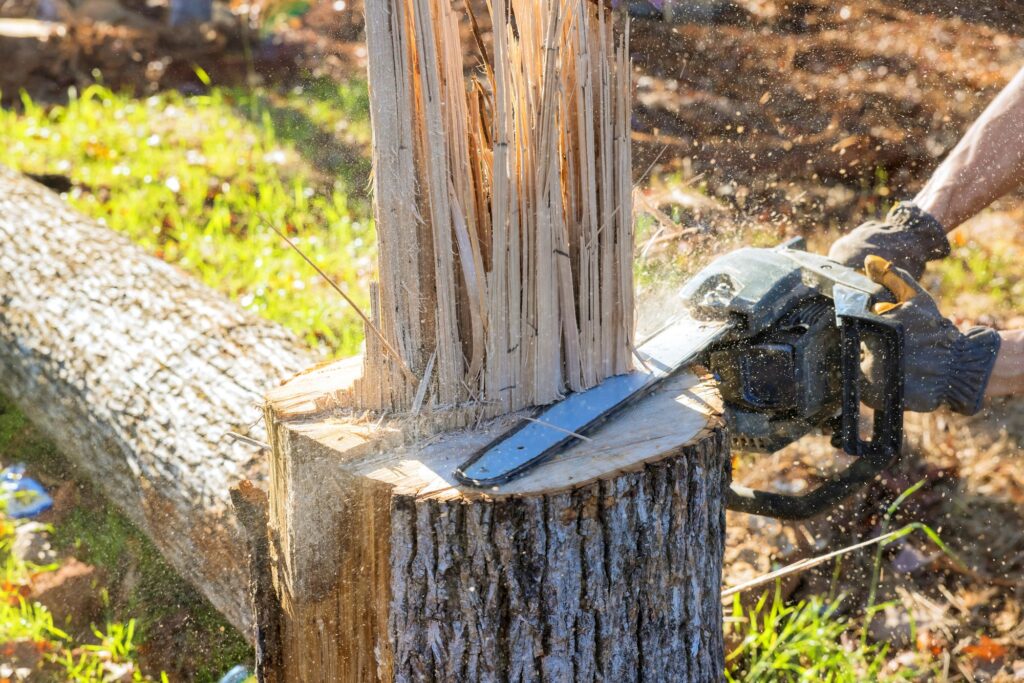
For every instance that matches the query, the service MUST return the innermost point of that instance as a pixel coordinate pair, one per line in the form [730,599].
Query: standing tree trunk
[503,207]
[603,564]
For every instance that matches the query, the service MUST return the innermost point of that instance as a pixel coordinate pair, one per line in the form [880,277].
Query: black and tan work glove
[941,364]
[908,237]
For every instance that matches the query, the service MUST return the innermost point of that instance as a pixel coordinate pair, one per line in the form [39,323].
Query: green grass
[100,535]
[144,590]
[32,642]
[198,180]
[973,270]
[806,641]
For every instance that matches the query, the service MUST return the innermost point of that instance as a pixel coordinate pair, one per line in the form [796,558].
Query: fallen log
[136,371]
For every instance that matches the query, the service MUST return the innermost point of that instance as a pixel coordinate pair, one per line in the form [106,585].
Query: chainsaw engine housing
[779,368]
[784,382]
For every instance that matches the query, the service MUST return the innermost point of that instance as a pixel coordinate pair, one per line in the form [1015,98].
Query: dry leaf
[986,650]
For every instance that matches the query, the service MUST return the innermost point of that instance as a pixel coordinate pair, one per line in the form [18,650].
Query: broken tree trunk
[136,371]
[503,211]
[503,206]
[602,564]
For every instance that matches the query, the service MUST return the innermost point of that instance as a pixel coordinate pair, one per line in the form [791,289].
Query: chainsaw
[780,329]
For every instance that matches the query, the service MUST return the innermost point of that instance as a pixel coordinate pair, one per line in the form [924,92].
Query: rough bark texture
[136,371]
[603,564]
[616,581]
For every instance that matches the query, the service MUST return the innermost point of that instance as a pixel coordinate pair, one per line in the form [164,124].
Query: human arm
[987,163]
[1008,374]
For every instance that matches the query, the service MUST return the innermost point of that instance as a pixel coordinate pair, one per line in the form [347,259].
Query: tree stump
[602,564]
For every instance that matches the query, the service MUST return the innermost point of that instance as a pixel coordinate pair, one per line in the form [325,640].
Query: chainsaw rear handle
[872,456]
[887,429]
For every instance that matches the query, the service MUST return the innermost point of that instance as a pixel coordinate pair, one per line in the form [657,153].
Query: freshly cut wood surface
[678,412]
[136,371]
[601,563]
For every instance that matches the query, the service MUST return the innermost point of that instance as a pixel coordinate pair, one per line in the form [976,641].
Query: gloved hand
[908,237]
[941,364]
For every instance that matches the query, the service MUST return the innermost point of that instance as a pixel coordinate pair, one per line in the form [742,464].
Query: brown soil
[816,111]
[72,594]
[129,46]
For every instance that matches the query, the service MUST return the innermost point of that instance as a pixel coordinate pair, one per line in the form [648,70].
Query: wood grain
[503,205]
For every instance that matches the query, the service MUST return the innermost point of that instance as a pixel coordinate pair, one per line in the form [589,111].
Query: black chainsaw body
[782,383]
[791,363]
[781,330]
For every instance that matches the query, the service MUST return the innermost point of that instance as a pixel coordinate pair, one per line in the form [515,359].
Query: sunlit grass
[806,641]
[978,280]
[33,646]
[196,181]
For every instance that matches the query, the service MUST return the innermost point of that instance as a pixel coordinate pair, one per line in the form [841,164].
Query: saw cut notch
[568,421]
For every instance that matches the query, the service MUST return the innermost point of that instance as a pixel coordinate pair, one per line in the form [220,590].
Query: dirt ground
[798,117]
[808,117]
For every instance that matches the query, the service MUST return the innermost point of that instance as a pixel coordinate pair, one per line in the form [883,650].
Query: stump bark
[602,564]
[137,371]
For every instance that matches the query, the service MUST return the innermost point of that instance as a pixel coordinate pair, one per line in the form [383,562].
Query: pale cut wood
[503,205]
[604,563]
[137,371]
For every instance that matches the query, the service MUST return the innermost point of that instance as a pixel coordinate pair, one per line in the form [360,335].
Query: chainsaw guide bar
[559,425]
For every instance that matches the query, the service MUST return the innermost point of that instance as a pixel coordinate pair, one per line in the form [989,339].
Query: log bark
[136,371]
[602,564]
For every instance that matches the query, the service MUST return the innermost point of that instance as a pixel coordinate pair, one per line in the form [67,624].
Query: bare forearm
[987,163]
[1008,374]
